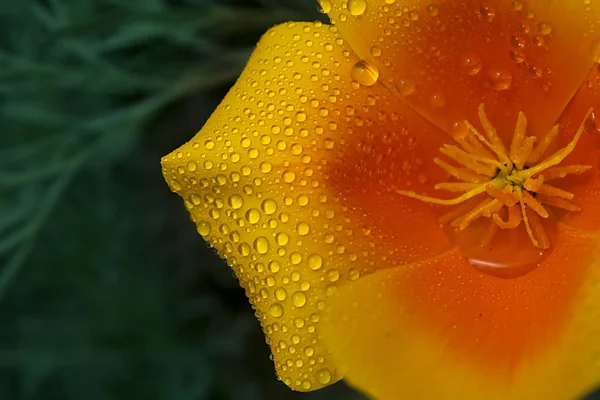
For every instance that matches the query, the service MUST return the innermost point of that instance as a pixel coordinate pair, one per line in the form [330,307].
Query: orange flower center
[508,187]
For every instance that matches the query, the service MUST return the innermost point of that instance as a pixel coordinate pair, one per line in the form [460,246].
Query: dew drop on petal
[357,7]
[235,201]
[406,86]
[325,6]
[299,299]
[261,245]
[365,73]
[203,228]
[315,262]
[500,79]
[269,206]
[375,51]
[545,28]
[433,10]
[276,310]
[324,376]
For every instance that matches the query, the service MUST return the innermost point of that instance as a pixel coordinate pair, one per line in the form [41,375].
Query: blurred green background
[106,289]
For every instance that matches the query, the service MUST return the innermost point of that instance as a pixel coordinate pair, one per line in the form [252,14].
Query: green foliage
[106,290]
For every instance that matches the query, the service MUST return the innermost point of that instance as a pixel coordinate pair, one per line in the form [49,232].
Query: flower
[319,179]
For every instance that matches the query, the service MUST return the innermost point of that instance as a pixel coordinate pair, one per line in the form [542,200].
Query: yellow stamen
[557,157]
[514,219]
[526,218]
[518,137]
[474,163]
[505,180]
[543,146]
[496,141]
[456,186]
[534,204]
[559,203]
[561,172]
[461,173]
[538,230]
[450,202]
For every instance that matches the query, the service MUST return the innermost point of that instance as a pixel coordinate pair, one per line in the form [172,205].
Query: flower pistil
[508,186]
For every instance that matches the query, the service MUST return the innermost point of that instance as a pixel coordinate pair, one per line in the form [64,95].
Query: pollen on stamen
[507,185]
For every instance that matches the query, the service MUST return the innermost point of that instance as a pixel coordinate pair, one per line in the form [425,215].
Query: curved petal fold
[439,329]
[447,57]
[286,181]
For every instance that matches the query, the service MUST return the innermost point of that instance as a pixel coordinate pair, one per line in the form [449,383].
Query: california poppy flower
[411,196]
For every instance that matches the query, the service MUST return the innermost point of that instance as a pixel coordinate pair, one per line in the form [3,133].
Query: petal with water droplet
[512,55]
[441,330]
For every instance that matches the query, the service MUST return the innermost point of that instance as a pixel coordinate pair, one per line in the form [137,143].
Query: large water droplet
[235,201]
[471,63]
[500,79]
[365,73]
[357,7]
[276,310]
[315,261]
[405,86]
[299,299]
[324,6]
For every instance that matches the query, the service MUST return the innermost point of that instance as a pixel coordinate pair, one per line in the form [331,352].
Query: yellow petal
[446,58]
[287,180]
[441,330]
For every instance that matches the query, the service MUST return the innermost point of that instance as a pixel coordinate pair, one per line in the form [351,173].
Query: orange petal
[442,330]
[585,187]
[445,58]
[290,181]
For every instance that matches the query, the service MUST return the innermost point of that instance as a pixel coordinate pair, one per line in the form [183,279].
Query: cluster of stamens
[505,185]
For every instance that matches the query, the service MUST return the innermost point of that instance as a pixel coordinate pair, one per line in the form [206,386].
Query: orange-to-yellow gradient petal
[441,329]
[284,178]
[447,57]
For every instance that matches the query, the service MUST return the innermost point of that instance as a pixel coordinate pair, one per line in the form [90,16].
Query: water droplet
[333,275]
[324,376]
[517,41]
[299,299]
[500,79]
[437,100]
[276,310]
[376,51]
[517,5]
[280,293]
[274,266]
[487,12]
[517,56]
[203,228]
[235,201]
[325,6]
[265,167]
[545,28]
[433,10]
[354,274]
[269,206]
[252,215]
[261,245]
[191,166]
[289,176]
[406,86]
[365,73]
[315,261]
[303,228]
[357,7]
